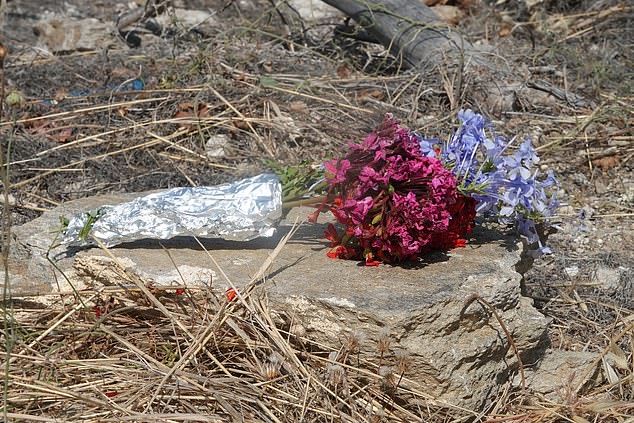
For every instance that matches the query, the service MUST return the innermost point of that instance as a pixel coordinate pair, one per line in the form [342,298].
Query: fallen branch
[419,40]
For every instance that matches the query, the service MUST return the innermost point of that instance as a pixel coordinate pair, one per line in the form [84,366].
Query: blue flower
[503,183]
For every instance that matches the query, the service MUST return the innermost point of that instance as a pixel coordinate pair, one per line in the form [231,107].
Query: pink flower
[394,202]
[337,168]
[357,210]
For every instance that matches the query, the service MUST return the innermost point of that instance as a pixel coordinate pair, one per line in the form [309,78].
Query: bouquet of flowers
[398,195]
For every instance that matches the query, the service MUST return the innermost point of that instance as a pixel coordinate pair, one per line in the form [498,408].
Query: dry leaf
[343,71]
[607,163]
[64,135]
[186,105]
[203,111]
[298,106]
[376,94]
[33,123]
[240,124]
[187,110]
[182,114]
[610,374]
[121,73]
[450,15]
[465,4]
[619,357]
[239,76]
[505,30]
[267,66]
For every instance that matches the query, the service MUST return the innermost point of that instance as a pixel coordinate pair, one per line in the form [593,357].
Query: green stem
[303,202]
[7,306]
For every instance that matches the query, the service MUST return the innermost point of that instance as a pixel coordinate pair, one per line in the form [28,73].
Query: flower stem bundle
[397,195]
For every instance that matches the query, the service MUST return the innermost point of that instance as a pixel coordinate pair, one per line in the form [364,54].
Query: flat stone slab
[459,353]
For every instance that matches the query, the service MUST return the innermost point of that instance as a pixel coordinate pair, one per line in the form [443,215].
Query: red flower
[337,251]
[231,294]
[180,291]
[463,213]
[331,234]
[372,263]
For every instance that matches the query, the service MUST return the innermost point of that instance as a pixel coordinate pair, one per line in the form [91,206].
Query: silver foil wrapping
[239,211]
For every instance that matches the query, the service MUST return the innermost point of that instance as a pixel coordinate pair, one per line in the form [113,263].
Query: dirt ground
[271,85]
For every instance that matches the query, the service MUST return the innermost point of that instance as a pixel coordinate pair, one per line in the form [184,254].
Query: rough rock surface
[459,354]
[560,375]
[314,9]
[59,34]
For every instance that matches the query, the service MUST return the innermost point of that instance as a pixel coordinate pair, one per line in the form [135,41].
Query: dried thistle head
[383,343]
[271,368]
[335,374]
[403,361]
[388,381]
[297,330]
[270,371]
[353,341]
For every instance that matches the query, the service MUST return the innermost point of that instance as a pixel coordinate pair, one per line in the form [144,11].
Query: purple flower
[502,183]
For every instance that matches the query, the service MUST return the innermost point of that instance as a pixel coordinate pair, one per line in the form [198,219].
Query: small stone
[600,187]
[450,15]
[189,19]
[558,372]
[215,146]
[314,9]
[572,271]
[608,277]
[12,201]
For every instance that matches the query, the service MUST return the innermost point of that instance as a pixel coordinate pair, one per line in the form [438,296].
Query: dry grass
[150,355]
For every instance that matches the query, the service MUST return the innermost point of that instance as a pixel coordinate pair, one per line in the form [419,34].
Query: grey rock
[458,353]
[314,10]
[561,375]
[188,19]
[610,277]
[61,34]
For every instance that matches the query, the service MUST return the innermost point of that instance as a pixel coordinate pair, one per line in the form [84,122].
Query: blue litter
[135,85]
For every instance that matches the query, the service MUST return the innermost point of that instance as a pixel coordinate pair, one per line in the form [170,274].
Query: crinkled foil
[239,211]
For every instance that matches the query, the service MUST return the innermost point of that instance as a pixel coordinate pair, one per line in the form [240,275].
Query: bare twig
[476,297]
